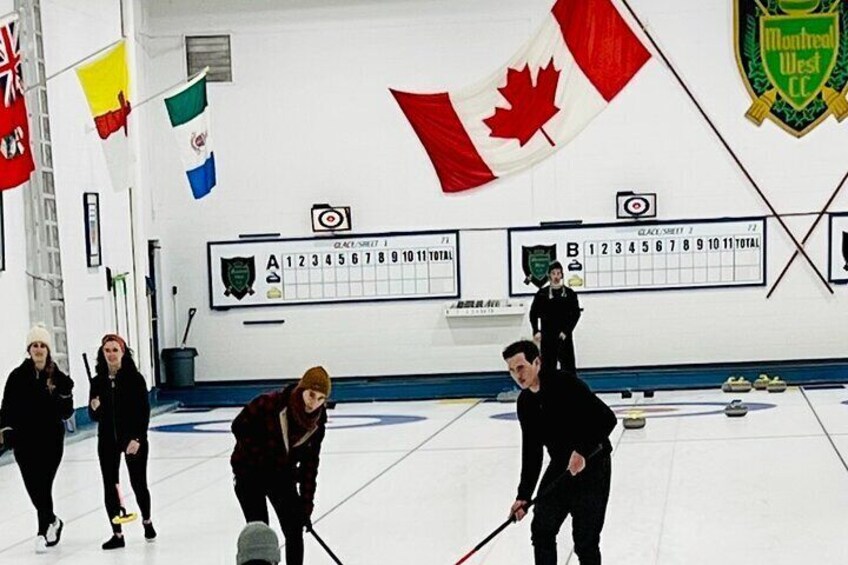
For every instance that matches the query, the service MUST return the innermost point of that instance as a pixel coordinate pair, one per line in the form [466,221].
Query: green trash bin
[178,363]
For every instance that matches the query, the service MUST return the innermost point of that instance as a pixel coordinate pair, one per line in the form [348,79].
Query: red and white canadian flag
[581,58]
[15,156]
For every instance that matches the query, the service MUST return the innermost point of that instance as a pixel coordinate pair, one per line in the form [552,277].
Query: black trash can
[178,363]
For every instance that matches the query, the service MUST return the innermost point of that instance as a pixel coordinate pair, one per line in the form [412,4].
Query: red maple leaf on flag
[530,106]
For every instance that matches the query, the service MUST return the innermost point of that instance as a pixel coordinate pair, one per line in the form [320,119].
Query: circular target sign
[330,219]
[636,205]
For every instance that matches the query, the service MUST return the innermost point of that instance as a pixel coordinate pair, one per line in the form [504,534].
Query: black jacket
[564,416]
[30,412]
[553,314]
[124,411]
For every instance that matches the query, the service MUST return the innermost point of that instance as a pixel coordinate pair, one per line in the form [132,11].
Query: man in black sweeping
[553,315]
[557,411]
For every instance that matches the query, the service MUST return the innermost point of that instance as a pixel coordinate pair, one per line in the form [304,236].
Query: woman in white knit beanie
[37,398]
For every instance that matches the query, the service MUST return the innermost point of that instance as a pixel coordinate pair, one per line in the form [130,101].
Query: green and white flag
[189,114]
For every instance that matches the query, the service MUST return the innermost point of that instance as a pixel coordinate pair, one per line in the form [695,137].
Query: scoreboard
[640,255]
[376,267]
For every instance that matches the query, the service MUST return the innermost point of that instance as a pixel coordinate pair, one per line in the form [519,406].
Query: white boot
[54,532]
[40,544]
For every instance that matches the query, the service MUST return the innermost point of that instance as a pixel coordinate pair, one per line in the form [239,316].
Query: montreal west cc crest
[534,262]
[238,275]
[793,58]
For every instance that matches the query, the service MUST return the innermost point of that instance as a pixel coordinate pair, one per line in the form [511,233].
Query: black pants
[251,494]
[585,498]
[110,462]
[38,465]
[554,349]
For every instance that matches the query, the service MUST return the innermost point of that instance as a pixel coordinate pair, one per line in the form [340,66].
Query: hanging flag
[106,83]
[581,58]
[189,114]
[16,162]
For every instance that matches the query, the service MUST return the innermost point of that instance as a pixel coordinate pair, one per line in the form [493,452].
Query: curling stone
[736,384]
[735,409]
[627,393]
[634,420]
[648,393]
[776,385]
[761,382]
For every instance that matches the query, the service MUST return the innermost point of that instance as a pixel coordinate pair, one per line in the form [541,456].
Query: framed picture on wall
[2,236]
[91,208]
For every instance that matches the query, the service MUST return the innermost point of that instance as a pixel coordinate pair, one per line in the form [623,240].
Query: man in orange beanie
[278,443]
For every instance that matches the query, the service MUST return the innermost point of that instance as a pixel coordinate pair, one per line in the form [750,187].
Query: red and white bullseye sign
[630,205]
[330,218]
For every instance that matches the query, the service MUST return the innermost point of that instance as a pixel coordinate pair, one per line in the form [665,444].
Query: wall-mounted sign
[91,212]
[791,55]
[377,267]
[640,255]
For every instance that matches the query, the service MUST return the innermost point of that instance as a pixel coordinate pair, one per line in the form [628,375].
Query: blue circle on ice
[353,421]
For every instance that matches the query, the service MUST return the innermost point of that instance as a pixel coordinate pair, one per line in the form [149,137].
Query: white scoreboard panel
[279,272]
[642,255]
[838,255]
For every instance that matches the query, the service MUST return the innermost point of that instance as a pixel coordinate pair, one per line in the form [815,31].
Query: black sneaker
[149,532]
[54,532]
[115,542]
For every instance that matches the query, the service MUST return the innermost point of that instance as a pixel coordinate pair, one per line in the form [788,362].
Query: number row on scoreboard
[672,245]
[673,261]
[354,258]
[360,273]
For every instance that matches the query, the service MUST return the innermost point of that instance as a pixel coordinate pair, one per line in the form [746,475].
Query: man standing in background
[553,316]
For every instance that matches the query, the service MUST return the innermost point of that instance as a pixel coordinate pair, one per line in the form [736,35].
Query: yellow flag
[106,82]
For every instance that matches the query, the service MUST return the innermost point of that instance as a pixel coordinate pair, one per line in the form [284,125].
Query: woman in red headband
[119,404]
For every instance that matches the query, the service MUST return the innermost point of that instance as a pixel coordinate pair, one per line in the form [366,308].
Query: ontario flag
[106,83]
[583,55]
[16,162]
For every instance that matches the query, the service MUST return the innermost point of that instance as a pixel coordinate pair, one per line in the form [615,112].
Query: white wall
[309,118]
[14,308]
[73,29]
[14,311]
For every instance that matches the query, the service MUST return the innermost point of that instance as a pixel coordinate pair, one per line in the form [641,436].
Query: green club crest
[535,261]
[793,58]
[238,275]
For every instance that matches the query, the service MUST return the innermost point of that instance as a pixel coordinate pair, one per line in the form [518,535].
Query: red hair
[117,339]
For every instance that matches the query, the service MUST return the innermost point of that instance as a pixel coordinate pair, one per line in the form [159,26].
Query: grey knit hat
[258,542]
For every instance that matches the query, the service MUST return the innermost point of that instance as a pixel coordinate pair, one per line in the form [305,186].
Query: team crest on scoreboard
[534,262]
[238,275]
[793,58]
